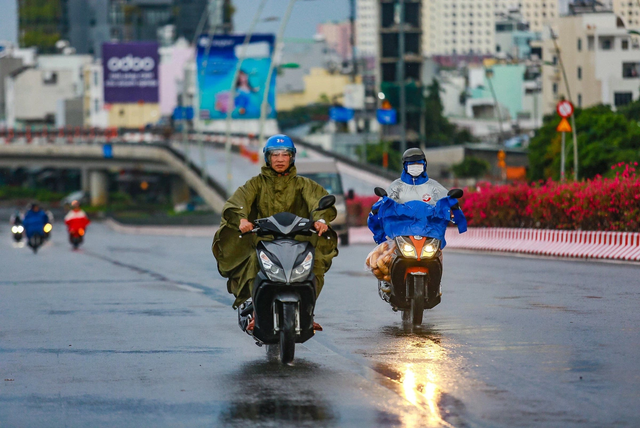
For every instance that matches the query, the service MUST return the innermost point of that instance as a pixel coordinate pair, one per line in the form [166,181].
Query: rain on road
[138,330]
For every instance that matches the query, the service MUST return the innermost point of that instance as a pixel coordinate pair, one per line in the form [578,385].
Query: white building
[32,95]
[601,60]
[95,114]
[468,26]
[367,28]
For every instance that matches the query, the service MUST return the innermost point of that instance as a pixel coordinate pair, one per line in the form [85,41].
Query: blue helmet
[279,142]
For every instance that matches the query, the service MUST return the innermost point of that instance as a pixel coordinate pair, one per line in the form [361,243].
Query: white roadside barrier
[558,243]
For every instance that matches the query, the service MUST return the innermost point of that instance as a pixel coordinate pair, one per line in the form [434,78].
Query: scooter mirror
[379,191]
[326,202]
[455,193]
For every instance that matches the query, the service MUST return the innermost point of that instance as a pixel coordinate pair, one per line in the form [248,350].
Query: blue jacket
[389,219]
[34,222]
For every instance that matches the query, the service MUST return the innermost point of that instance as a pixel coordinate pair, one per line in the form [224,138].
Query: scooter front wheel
[288,333]
[417,300]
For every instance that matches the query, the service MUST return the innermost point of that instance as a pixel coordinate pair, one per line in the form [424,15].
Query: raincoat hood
[410,179]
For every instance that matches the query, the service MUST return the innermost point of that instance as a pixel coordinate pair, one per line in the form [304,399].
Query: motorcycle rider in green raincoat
[276,189]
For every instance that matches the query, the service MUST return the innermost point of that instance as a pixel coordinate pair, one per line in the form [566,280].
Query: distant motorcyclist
[76,219]
[34,221]
[276,189]
[415,184]
[16,218]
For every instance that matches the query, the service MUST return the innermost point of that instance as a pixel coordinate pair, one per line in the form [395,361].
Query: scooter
[284,292]
[36,240]
[415,271]
[76,237]
[17,231]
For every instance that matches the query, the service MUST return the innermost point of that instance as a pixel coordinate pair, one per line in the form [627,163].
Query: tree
[438,130]
[471,167]
[605,138]
[375,155]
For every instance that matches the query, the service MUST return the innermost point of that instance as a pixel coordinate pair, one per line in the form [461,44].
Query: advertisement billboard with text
[130,72]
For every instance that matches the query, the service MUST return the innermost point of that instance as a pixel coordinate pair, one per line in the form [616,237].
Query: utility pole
[232,97]
[400,76]
[489,75]
[265,96]
[352,20]
[573,116]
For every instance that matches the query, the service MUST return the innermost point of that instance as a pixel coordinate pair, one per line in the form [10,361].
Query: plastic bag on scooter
[379,260]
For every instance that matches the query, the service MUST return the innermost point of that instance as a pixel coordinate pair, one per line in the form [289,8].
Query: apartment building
[601,60]
[469,26]
[367,28]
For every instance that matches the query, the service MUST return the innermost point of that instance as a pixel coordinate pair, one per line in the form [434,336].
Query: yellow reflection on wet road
[419,367]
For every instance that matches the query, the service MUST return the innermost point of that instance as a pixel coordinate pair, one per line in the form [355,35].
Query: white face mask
[415,169]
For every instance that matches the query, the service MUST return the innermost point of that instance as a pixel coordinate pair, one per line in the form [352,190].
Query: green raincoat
[262,196]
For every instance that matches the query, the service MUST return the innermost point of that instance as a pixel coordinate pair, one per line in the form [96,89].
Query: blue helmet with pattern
[279,142]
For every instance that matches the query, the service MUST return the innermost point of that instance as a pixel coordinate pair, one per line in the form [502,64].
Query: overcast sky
[8,20]
[306,15]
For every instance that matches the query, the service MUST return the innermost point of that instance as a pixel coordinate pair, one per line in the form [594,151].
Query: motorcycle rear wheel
[288,333]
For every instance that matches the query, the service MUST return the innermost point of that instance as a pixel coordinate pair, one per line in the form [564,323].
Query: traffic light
[502,156]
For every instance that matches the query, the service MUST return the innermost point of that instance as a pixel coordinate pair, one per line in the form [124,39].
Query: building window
[579,73]
[606,43]
[630,70]
[95,79]
[49,78]
[625,44]
[622,98]
[579,45]
[96,106]
[579,100]
[555,88]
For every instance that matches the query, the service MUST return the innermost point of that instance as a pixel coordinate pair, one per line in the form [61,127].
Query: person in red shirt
[76,219]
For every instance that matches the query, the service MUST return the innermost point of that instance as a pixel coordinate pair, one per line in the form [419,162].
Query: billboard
[217,59]
[130,72]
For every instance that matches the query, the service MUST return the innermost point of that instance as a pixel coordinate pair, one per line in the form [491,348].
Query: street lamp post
[265,96]
[489,75]
[400,77]
[231,104]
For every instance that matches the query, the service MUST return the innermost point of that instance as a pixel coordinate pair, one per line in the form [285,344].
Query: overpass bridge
[197,161]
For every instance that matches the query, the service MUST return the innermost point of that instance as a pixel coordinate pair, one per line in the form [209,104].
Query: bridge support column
[84,180]
[180,193]
[99,187]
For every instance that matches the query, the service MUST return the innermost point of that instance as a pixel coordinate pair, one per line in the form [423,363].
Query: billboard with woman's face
[217,59]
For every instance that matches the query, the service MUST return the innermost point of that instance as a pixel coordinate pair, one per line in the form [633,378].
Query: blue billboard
[217,59]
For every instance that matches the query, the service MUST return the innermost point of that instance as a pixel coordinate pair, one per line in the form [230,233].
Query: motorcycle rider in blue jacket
[34,221]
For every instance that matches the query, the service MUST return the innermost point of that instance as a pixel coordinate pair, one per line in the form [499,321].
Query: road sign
[107,151]
[564,108]
[564,126]
[341,114]
[387,117]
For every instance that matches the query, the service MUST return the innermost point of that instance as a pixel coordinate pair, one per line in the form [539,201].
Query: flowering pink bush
[596,204]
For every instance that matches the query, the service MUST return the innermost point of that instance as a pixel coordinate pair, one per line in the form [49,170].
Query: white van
[324,171]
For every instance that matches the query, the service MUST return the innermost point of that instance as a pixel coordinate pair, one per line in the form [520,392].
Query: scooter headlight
[406,248]
[47,228]
[15,229]
[302,270]
[430,249]
[273,271]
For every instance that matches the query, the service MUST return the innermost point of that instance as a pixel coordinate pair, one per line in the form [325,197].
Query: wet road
[138,331]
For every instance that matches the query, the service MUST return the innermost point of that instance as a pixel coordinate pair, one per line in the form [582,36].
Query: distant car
[324,171]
